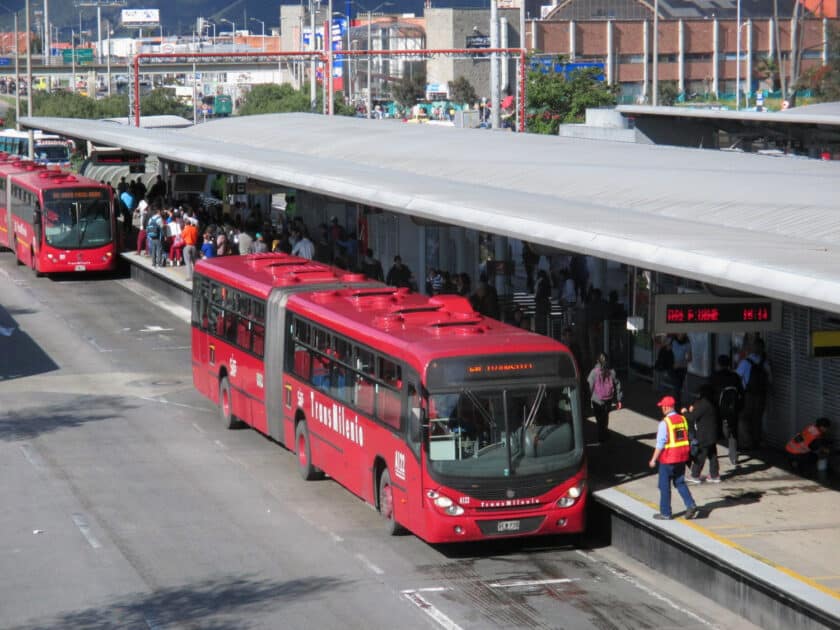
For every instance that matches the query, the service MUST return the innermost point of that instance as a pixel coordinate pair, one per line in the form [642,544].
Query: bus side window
[388,406]
[303,362]
[259,339]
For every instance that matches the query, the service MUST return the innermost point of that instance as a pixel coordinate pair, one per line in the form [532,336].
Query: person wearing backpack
[729,394]
[756,379]
[154,232]
[605,390]
[703,423]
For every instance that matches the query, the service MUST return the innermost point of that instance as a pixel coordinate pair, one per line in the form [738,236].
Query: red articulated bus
[56,221]
[454,426]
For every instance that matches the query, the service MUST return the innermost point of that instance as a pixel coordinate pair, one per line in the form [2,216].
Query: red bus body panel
[18,234]
[346,444]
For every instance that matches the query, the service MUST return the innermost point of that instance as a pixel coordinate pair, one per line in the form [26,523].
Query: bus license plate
[80,268]
[507,526]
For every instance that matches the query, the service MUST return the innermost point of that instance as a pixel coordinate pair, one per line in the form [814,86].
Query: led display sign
[701,312]
[445,373]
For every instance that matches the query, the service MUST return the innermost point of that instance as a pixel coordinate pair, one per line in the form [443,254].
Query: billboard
[140,17]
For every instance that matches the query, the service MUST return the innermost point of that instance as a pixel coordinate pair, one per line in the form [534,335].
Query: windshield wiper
[532,414]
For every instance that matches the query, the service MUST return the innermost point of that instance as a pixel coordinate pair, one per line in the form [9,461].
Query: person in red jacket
[809,445]
[672,451]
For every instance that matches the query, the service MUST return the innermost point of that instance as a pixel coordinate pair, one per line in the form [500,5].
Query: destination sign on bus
[450,372]
[76,193]
[709,313]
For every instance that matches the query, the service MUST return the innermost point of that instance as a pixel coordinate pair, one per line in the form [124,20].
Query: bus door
[415,417]
[201,340]
[7,239]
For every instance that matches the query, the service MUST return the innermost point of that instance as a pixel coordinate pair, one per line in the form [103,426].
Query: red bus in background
[454,426]
[56,221]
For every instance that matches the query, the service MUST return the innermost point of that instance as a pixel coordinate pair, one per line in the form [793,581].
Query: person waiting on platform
[810,445]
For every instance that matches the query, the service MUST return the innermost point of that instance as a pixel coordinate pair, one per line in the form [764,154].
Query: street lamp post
[233,32]
[369,18]
[655,77]
[263,31]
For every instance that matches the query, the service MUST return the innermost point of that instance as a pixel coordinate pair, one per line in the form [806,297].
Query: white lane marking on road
[442,620]
[81,523]
[427,589]
[163,401]
[369,564]
[336,537]
[198,428]
[180,312]
[32,457]
[154,328]
[648,591]
[99,348]
[531,583]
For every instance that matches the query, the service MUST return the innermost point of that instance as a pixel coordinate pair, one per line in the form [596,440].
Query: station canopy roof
[759,224]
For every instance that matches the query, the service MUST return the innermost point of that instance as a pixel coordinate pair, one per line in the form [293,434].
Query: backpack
[604,387]
[757,385]
[153,227]
[729,402]
[664,360]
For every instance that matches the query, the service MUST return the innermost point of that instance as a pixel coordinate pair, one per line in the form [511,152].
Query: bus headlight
[572,495]
[444,503]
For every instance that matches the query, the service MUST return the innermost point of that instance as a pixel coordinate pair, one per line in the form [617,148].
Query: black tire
[34,265]
[229,421]
[386,505]
[307,471]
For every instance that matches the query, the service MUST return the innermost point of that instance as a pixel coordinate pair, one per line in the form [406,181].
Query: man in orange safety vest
[672,452]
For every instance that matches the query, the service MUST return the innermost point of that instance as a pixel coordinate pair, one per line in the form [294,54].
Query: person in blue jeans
[672,453]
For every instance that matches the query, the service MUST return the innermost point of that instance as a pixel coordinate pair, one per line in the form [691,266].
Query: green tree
[162,102]
[825,81]
[552,99]
[409,89]
[114,106]
[462,91]
[669,91]
[271,98]
[63,105]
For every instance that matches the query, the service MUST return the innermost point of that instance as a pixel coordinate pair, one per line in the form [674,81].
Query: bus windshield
[503,431]
[77,217]
[52,153]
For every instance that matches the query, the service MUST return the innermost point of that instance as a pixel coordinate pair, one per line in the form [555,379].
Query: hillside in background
[179,16]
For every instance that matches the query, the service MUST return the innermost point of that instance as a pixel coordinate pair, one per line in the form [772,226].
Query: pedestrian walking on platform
[756,378]
[671,453]
[605,391]
[703,425]
[729,394]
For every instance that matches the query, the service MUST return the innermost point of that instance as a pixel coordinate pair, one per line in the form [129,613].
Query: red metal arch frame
[326,58]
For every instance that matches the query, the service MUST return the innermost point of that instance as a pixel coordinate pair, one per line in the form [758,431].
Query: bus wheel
[386,505]
[34,265]
[225,406]
[307,471]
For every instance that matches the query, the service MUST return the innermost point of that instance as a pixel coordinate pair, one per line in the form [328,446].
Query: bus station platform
[766,543]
